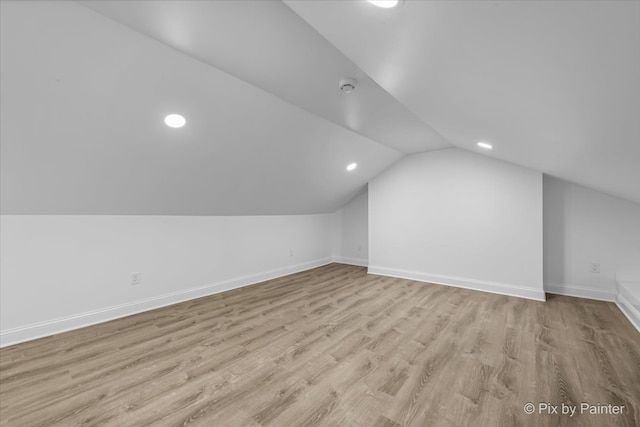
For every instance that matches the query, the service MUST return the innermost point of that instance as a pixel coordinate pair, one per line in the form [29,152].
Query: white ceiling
[553,85]
[266,44]
[83,101]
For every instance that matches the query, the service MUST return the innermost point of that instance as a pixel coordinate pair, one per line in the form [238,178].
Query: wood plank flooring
[332,346]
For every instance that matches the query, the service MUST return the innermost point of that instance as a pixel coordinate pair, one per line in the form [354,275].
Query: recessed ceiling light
[175,121]
[485,145]
[384,3]
[351,166]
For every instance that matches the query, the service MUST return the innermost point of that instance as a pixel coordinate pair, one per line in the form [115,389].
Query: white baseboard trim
[628,301]
[459,282]
[351,261]
[581,291]
[55,326]
[629,311]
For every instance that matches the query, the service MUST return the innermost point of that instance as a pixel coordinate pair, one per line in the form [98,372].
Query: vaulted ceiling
[85,87]
[553,85]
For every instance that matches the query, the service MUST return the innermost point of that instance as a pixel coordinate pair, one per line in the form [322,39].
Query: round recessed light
[175,121]
[386,4]
[351,166]
[485,145]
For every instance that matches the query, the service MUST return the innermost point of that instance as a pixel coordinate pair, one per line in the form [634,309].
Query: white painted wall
[336,233]
[582,226]
[351,228]
[458,218]
[62,272]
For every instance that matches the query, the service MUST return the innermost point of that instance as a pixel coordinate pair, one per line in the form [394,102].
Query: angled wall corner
[461,219]
[351,231]
[584,227]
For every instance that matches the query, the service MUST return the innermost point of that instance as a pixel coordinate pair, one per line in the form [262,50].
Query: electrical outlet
[290,252]
[135,278]
[594,267]
[359,248]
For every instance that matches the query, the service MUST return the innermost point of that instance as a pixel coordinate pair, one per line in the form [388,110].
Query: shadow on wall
[555,212]
[589,239]
[351,231]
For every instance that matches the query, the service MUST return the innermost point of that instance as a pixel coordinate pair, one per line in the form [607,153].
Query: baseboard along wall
[351,261]
[55,326]
[624,299]
[580,291]
[628,301]
[459,282]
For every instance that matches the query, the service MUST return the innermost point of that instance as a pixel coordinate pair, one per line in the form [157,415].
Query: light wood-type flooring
[332,346]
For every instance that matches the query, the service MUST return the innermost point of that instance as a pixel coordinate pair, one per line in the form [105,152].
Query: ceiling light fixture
[485,145]
[347,85]
[175,121]
[351,166]
[386,4]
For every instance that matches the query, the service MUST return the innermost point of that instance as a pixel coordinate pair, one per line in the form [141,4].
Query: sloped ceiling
[85,86]
[553,85]
[84,97]
[271,47]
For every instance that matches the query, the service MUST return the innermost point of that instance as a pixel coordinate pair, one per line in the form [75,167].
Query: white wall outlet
[359,248]
[594,267]
[290,252]
[135,278]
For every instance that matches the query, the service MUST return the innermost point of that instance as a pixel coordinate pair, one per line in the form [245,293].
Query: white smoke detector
[347,85]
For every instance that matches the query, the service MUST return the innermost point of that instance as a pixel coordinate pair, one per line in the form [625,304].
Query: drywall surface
[584,226]
[84,100]
[351,224]
[63,272]
[458,218]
